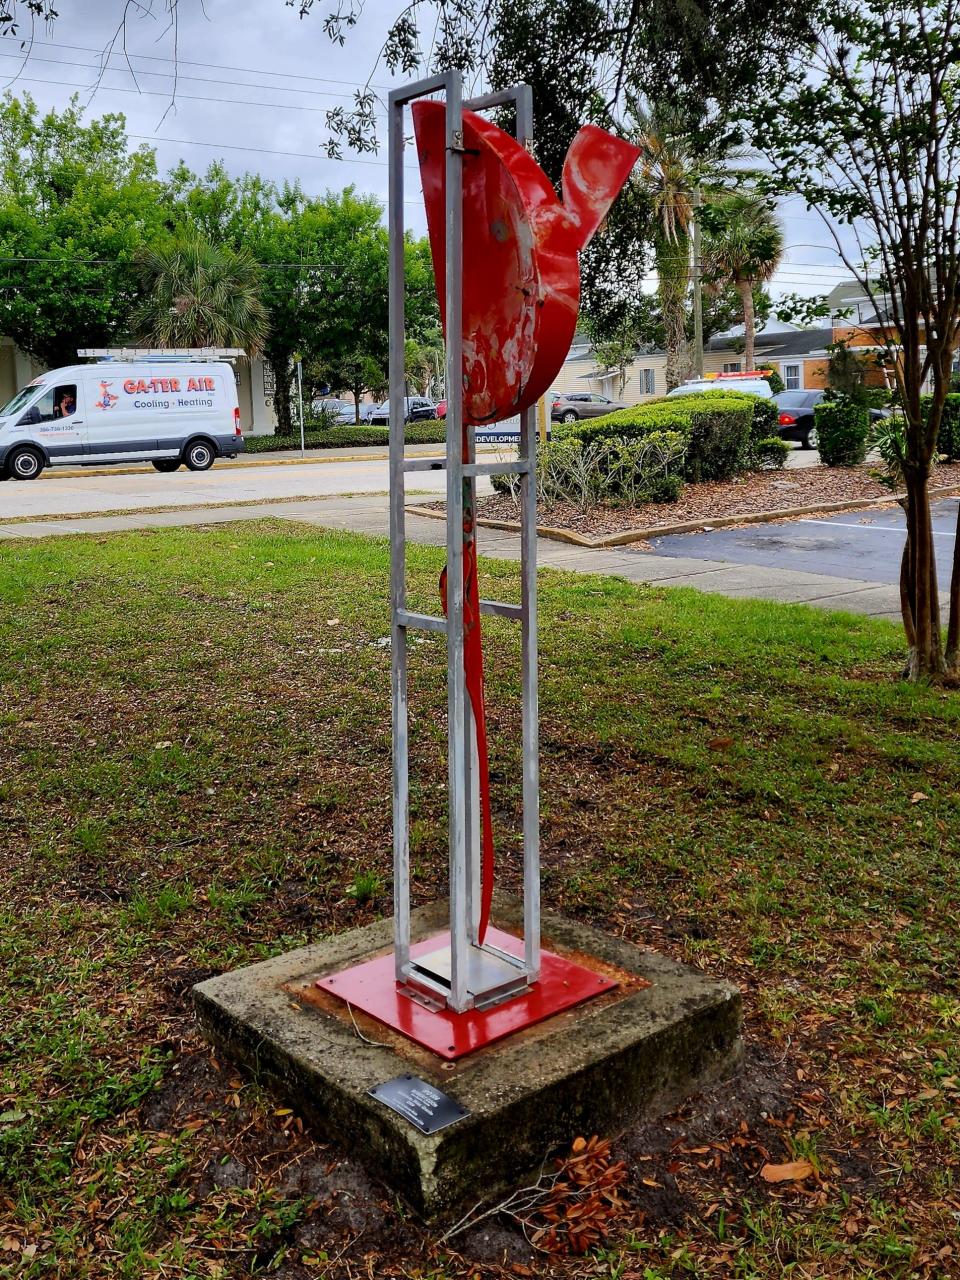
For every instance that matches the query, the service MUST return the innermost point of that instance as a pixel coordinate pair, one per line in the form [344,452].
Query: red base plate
[372,988]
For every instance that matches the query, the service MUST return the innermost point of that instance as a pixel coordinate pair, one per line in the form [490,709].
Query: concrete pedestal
[663,1033]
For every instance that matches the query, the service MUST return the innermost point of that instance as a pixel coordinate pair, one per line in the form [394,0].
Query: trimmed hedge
[721,428]
[430,431]
[843,427]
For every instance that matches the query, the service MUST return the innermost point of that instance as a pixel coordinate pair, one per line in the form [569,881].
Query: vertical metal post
[398,551]
[697,286]
[528,622]
[456,681]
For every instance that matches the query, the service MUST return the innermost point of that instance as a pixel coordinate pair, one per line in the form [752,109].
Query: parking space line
[875,528]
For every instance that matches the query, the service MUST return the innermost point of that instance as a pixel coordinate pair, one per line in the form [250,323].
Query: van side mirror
[30,418]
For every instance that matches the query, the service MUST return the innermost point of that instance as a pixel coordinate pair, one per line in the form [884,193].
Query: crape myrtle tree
[867,129]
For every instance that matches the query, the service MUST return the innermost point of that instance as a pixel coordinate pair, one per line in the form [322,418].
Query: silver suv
[582,404]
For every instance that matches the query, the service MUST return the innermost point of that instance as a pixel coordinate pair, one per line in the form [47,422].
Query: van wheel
[569,416]
[199,455]
[167,464]
[24,464]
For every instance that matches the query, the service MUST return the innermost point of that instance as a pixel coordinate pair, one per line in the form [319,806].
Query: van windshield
[18,401]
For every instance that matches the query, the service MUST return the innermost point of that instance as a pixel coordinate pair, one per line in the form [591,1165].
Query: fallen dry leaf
[792,1171]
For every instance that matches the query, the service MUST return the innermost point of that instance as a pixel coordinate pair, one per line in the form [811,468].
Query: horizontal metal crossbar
[501,610]
[422,621]
[518,468]
[419,89]
[499,98]
[425,464]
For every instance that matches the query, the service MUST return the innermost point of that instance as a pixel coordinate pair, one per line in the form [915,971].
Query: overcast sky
[254,82]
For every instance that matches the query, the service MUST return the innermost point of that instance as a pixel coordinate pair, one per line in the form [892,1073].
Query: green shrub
[770,454]
[842,427]
[948,440]
[776,382]
[877,397]
[889,437]
[615,472]
[766,416]
[718,444]
[717,425]
[346,436]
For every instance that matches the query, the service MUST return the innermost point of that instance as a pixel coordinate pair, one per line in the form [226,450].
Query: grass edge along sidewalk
[745,786]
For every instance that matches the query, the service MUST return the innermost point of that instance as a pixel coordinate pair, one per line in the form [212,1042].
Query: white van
[753,384]
[165,411]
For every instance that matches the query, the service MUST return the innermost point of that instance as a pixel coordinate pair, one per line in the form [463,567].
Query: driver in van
[66,404]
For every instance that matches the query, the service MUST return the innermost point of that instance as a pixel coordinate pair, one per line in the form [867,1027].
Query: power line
[174,97]
[168,75]
[211,66]
[266,151]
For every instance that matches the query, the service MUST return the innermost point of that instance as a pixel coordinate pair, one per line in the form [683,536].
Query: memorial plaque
[428,1109]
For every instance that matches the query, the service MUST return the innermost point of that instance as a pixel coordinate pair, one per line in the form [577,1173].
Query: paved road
[850,545]
[60,495]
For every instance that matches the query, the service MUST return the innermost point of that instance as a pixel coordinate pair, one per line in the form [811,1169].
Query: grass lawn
[194,773]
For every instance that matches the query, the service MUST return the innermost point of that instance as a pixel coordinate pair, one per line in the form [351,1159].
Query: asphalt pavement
[863,545]
[77,494]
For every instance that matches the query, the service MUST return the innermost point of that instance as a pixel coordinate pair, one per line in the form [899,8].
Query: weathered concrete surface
[591,1070]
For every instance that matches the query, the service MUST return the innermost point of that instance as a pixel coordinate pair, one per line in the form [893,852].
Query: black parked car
[795,409]
[416,409]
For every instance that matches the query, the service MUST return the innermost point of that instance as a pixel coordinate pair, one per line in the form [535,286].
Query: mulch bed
[757,492]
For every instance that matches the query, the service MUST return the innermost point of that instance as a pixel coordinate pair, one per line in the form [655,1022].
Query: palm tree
[198,294]
[666,168]
[743,245]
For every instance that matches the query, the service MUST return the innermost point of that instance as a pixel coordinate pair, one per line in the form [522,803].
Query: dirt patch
[762,491]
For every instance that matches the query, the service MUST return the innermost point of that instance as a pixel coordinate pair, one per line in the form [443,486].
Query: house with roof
[862,318]
[798,355]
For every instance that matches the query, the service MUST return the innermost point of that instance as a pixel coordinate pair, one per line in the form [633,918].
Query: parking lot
[851,545]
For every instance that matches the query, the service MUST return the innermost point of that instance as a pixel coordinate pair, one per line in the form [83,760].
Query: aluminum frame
[475,976]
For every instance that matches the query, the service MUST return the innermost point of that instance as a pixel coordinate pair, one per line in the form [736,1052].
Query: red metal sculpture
[521,294]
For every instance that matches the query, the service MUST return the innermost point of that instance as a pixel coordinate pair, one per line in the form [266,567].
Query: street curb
[688,526]
[66,473]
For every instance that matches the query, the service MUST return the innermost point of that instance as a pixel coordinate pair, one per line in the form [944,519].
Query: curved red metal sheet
[521,273]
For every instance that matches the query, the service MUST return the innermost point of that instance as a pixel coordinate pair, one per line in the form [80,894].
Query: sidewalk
[368,514]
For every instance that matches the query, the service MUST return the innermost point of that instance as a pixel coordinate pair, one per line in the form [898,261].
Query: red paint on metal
[521,275]
[473,672]
[371,987]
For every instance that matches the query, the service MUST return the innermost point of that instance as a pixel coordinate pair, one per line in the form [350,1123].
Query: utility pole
[697,289]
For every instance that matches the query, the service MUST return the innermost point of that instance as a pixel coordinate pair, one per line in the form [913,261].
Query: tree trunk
[673,275]
[281,396]
[953,621]
[673,323]
[745,289]
[925,658]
